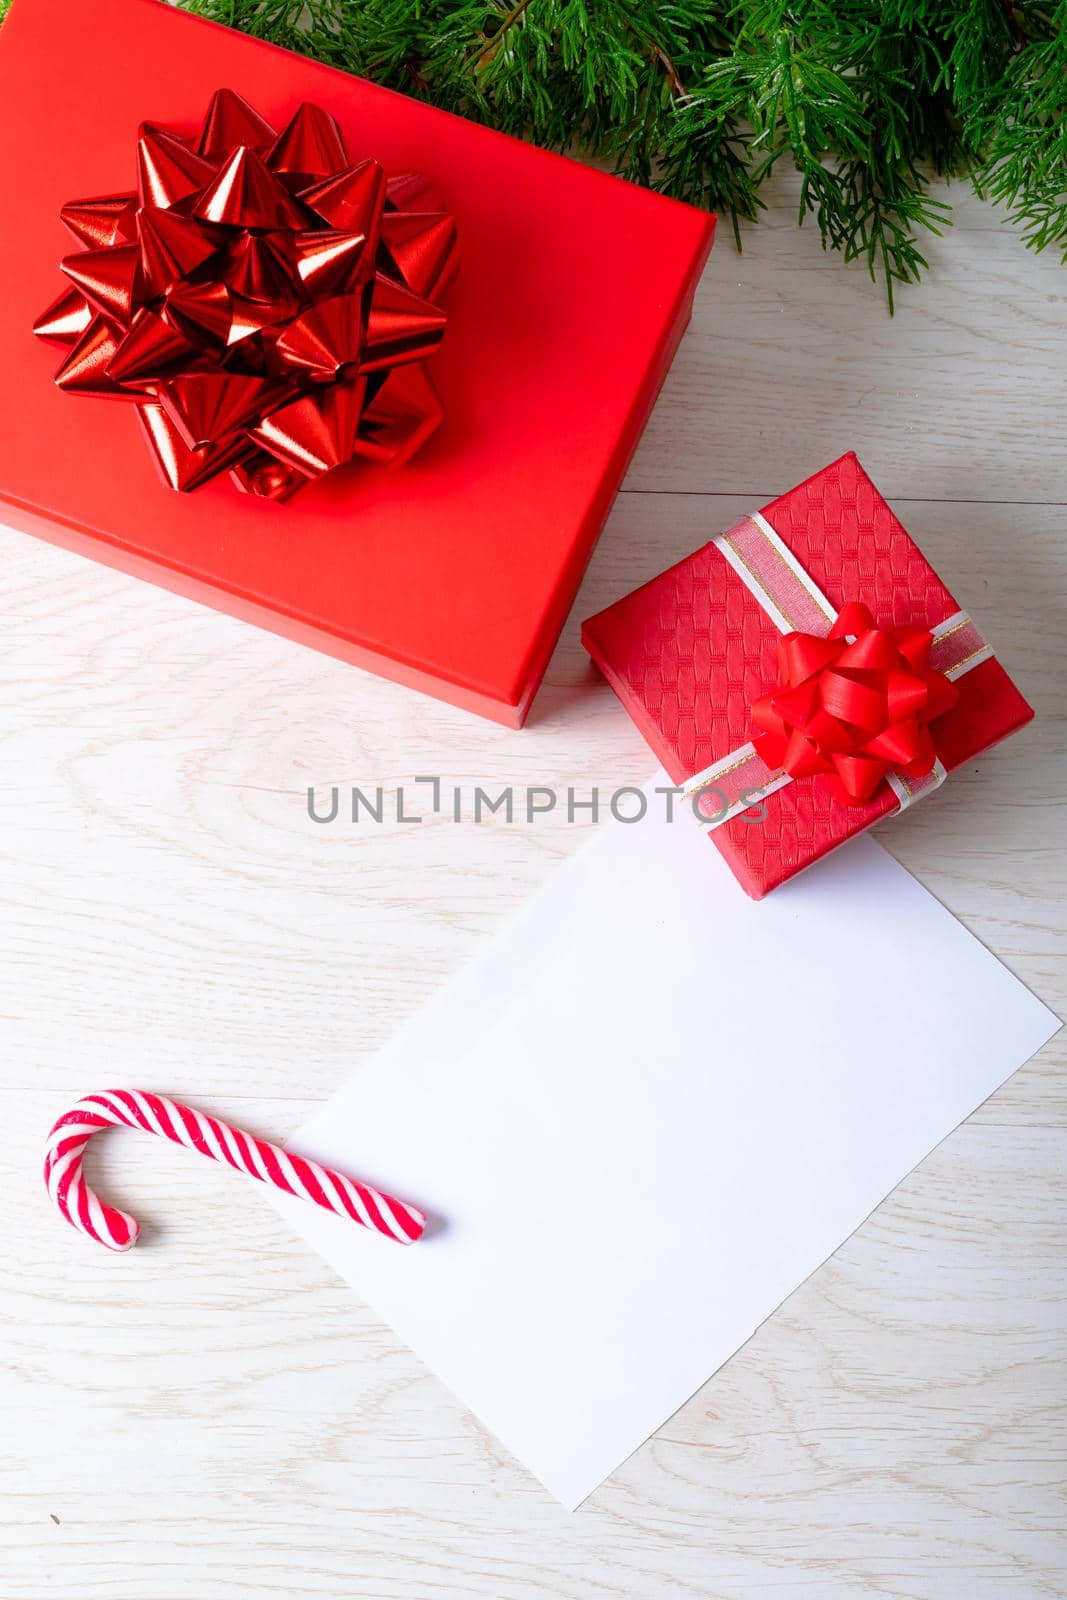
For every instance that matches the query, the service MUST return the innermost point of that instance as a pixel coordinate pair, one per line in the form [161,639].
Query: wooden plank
[791,360]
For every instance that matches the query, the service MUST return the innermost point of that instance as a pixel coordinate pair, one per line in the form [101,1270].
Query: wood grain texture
[215,1415]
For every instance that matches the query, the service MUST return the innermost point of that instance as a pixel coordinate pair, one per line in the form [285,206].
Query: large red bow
[265,303]
[857,703]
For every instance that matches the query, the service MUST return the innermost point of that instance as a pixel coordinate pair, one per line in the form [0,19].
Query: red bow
[857,703]
[266,304]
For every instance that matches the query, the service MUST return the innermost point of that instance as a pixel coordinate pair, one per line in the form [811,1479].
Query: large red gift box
[691,653]
[453,573]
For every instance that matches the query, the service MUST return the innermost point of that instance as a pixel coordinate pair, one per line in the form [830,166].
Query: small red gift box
[453,573]
[804,675]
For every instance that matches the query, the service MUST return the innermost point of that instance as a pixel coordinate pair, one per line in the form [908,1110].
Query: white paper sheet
[645,1115]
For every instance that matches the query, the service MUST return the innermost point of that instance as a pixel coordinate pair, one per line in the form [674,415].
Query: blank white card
[645,1115]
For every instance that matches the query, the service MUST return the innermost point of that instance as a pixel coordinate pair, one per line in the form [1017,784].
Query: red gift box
[694,653]
[454,573]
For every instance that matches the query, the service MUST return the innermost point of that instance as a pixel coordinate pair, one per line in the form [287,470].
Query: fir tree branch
[1020,126]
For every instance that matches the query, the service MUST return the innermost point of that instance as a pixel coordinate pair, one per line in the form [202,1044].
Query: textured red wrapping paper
[453,574]
[688,653]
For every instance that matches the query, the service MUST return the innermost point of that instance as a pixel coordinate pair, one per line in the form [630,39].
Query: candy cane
[133,1108]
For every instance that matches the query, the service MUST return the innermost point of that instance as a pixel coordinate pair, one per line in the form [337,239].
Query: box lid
[454,573]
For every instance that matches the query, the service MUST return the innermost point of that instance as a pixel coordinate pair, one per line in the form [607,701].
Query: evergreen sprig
[704,99]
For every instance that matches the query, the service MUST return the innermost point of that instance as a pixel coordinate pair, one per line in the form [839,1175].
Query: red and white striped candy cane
[133,1108]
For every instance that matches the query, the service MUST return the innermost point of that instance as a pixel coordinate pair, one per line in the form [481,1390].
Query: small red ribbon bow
[857,703]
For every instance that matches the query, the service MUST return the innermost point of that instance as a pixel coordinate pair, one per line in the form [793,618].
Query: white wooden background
[214,1415]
